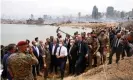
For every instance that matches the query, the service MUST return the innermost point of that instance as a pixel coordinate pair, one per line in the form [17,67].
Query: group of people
[24,61]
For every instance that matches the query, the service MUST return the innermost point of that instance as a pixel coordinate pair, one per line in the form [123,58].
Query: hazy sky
[21,8]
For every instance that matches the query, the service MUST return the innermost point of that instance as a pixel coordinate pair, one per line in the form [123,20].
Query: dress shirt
[53,49]
[63,51]
[37,50]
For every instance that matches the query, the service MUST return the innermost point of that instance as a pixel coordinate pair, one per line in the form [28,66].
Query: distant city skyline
[24,8]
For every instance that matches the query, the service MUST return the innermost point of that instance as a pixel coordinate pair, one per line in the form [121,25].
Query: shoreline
[78,25]
[91,25]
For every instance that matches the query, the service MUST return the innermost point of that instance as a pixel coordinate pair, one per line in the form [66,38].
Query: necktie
[59,51]
[36,48]
[116,45]
[54,49]
[70,48]
[79,47]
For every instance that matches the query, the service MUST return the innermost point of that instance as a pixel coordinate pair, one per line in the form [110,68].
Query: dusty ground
[121,71]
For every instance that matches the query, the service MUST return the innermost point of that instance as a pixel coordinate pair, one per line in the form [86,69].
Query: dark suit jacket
[111,36]
[57,45]
[41,51]
[84,48]
[35,52]
[120,46]
[67,45]
[73,51]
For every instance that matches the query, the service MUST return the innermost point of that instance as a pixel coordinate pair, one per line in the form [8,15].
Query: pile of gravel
[121,71]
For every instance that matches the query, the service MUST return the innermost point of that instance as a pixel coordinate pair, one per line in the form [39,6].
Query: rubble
[121,71]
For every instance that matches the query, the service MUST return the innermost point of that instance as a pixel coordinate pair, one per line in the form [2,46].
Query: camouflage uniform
[103,46]
[20,65]
[47,61]
[96,55]
[90,55]
[47,57]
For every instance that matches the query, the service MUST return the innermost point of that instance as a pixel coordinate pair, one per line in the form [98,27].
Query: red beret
[93,35]
[20,43]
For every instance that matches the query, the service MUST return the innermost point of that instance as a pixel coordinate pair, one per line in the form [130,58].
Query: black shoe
[122,59]
[39,75]
[94,65]
[70,73]
[109,63]
[117,62]
[76,74]
[45,78]
[61,79]
[35,78]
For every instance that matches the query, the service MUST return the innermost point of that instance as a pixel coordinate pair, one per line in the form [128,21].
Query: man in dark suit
[36,52]
[41,51]
[67,45]
[111,35]
[54,64]
[5,73]
[117,47]
[67,42]
[82,53]
[73,56]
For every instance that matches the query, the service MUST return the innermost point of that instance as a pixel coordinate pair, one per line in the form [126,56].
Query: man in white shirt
[61,55]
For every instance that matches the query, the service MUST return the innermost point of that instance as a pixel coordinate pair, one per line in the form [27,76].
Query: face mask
[76,38]
[60,44]
[27,49]
[47,46]
[71,44]
[36,44]
[102,34]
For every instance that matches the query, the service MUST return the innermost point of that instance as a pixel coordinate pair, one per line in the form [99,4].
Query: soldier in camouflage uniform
[47,60]
[90,55]
[20,64]
[95,50]
[103,39]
